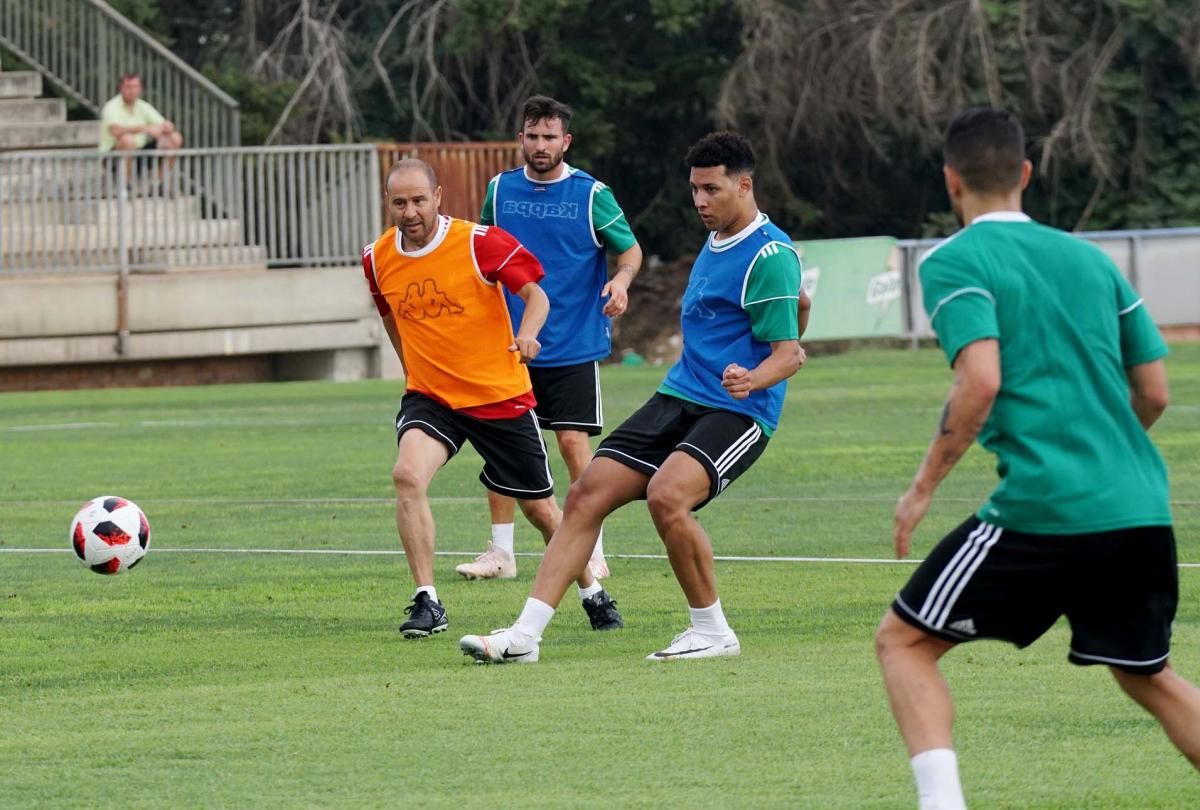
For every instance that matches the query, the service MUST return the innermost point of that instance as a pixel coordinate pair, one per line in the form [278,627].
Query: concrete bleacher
[28,121]
[41,230]
[199,297]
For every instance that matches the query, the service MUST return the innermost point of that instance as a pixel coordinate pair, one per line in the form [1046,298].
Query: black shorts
[724,442]
[1118,590]
[568,397]
[514,455]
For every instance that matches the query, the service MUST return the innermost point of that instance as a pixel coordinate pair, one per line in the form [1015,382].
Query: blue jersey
[554,220]
[719,330]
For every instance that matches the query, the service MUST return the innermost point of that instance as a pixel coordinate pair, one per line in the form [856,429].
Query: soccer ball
[110,535]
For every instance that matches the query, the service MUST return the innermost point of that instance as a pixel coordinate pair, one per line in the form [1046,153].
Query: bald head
[414,165]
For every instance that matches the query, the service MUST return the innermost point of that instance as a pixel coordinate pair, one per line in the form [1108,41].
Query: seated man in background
[129,123]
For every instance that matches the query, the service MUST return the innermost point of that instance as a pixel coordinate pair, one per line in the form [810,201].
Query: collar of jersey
[1002,216]
[443,229]
[717,245]
[567,171]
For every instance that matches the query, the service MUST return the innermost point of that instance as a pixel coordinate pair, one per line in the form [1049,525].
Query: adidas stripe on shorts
[1118,589]
[724,442]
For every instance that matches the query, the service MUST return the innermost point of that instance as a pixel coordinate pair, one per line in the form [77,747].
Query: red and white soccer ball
[110,535]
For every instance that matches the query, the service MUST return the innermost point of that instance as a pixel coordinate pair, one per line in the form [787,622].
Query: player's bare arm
[629,262]
[785,359]
[803,311]
[1148,391]
[537,307]
[976,384]
[393,333]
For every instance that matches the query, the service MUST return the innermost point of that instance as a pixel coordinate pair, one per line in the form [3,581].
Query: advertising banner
[856,287]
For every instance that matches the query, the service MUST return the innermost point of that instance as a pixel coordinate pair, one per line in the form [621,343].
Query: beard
[549,162]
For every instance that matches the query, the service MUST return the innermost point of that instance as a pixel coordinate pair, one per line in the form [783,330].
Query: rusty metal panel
[463,169]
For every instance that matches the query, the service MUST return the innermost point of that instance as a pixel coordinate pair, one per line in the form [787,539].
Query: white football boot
[598,566]
[494,563]
[690,644]
[501,647]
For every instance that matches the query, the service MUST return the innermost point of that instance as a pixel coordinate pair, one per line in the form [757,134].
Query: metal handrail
[85,210]
[85,46]
[1159,294]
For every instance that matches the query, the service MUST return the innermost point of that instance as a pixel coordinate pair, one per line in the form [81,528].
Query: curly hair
[727,149]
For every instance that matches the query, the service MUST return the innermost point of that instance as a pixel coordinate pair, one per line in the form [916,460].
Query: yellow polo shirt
[115,112]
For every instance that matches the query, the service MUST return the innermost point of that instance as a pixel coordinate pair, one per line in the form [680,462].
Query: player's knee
[895,635]
[665,501]
[572,441]
[406,478]
[542,513]
[583,496]
[885,638]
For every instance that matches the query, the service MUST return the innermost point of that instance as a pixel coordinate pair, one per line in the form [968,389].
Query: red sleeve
[502,258]
[368,263]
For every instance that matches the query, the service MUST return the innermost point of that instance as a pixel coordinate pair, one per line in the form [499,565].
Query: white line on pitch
[476,498]
[397,553]
[65,426]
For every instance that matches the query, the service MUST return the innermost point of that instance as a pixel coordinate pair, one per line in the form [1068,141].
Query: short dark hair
[414,164]
[727,149]
[539,108]
[133,74]
[986,146]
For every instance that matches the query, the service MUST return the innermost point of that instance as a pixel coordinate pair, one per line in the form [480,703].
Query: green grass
[278,680]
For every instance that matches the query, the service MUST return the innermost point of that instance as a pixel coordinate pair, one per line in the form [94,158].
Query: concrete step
[35,181]
[64,135]
[163,211]
[32,110]
[233,257]
[23,240]
[20,84]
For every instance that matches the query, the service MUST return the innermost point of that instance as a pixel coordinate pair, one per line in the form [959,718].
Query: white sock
[429,589]
[591,590]
[936,774]
[598,551]
[502,537]
[534,618]
[710,621]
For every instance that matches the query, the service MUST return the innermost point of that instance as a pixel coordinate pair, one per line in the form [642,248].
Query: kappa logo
[424,300]
[693,301]
[540,210]
[964,626]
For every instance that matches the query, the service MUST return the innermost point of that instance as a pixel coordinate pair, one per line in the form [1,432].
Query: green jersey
[1072,456]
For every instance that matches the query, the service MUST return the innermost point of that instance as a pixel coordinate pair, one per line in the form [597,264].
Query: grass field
[220,675]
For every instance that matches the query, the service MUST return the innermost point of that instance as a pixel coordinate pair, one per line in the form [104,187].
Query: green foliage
[145,14]
[261,103]
[644,75]
[641,77]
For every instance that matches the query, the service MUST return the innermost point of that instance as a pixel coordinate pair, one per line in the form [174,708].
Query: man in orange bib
[436,283]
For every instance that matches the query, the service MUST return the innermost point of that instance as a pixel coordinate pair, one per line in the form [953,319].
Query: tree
[1107,91]
[845,100]
[641,77]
